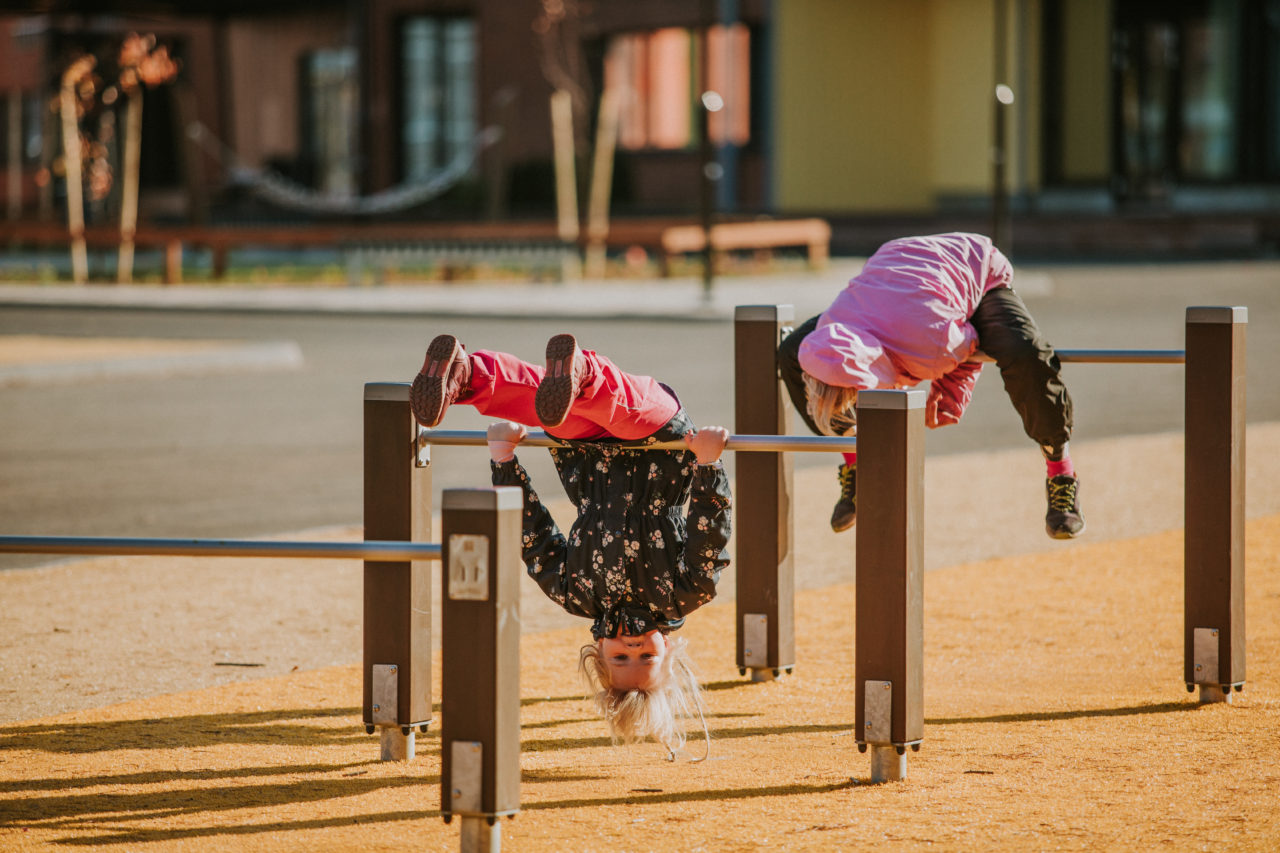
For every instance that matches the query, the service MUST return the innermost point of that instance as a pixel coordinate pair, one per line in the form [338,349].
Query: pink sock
[1060,467]
[851,458]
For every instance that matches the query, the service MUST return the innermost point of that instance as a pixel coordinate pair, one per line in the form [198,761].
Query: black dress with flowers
[634,558]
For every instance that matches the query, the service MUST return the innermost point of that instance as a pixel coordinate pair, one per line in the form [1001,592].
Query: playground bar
[1111,356]
[764,562]
[1214,502]
[748,443]
[480,659]
[397,596]
[370,551]
[1122,356]
[889,600]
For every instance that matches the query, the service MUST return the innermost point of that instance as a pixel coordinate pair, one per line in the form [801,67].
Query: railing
[739,443]
[371,551]
[1122,356]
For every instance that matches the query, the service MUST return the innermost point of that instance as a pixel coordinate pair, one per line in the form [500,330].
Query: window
[657,75]
[1268,77]
[439,109]
[1194,93]
[1180,90]
[331,94]
[1209,143]
[20,128]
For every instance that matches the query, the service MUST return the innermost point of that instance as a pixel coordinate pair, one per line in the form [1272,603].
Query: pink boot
[566,372]
[445,375]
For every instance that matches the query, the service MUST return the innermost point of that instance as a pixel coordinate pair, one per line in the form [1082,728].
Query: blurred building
[1069,124]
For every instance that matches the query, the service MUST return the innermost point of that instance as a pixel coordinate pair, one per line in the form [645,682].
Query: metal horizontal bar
[1110,356]
[760,443]
[382,551]
[1123,356]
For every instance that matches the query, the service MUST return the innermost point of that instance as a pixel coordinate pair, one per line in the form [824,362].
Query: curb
[269,355]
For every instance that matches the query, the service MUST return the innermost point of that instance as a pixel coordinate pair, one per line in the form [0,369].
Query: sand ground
[185,704]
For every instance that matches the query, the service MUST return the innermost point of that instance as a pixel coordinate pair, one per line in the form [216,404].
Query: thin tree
[77,77]
[142,63]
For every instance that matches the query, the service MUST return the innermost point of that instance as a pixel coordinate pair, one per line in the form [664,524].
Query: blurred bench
[382,246]
[814,235]
[669,239]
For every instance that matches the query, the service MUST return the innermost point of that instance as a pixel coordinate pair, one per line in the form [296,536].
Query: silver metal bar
[761,443]
[1110,356]
[479,836]
[373,551]
[1123,356]
[395,745]
[887,764]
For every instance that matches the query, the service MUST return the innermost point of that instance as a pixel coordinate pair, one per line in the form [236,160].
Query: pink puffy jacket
[904,319]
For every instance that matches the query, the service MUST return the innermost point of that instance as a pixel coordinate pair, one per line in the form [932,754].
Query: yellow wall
[1086,113]
[886,105]
[963,85]
[964,82]
[852,112]
[1028,165]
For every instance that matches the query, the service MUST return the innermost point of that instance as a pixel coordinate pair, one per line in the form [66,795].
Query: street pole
[1000,230]
[708,102]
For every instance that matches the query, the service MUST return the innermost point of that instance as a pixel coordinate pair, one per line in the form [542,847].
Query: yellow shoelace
[1062,496]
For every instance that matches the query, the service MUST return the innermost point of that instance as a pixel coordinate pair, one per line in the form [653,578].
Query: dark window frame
[1256,106]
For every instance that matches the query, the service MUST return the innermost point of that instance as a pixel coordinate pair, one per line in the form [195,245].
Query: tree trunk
[129,185]
[71,160]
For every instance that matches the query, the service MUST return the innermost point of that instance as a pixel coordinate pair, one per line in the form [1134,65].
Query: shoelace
[1062,496]
[846,475]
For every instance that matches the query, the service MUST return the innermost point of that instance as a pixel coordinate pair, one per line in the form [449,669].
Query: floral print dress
[633,559]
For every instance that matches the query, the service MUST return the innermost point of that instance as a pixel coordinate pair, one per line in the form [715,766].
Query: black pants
[1006,332]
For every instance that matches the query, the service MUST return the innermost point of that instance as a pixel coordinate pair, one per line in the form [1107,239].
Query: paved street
[239,453]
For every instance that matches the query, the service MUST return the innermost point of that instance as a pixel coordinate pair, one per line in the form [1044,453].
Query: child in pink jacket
[924,309]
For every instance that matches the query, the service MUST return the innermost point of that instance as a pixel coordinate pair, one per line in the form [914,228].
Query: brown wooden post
[219,251]
[764,530]
[889,632]
[173,262]
[480,652]
[1214,506]
[397,596]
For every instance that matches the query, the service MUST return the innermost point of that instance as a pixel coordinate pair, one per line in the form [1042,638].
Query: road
[244,454]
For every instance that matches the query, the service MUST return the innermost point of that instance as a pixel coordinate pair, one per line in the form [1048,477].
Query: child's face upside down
[635,663]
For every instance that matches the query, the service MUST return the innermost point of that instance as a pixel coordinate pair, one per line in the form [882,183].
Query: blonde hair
[635,714]
[831,406]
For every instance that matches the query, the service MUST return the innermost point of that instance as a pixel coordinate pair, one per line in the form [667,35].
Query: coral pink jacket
[904,319]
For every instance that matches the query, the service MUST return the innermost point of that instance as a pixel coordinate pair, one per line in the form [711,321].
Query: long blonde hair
[635,714]
[831,406]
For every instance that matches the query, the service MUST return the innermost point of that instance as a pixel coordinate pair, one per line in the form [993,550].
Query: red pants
[612,403]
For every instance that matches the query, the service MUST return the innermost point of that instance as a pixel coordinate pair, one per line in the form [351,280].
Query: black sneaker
[1063,520]
[846,510]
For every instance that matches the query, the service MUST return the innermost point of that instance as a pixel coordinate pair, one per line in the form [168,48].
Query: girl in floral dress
[649,542]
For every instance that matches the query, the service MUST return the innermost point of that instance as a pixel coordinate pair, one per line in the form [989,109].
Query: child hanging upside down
[635,562]
[925,309]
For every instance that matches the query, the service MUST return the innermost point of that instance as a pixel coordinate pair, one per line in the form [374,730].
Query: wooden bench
[812,234]
[669,239]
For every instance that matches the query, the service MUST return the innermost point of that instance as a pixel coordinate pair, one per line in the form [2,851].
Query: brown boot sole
[559,387]
[1063,532]
[841,525]
[428,392]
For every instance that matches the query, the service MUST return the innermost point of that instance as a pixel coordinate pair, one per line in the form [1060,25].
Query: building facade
[850,109]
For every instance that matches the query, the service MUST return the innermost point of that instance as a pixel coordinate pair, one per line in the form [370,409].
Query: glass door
[1177,105]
